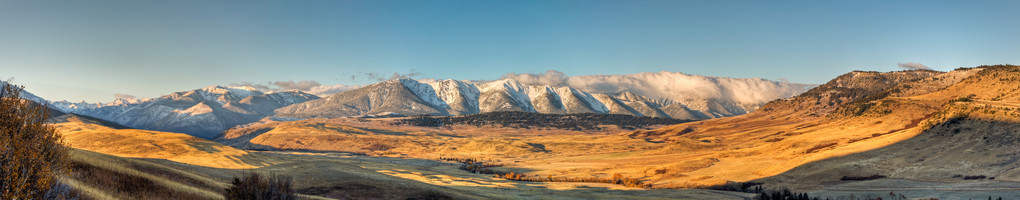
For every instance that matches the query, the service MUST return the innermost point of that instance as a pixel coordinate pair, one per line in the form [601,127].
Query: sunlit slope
[856,112]
[378,137]
[972,135]
[93,135]
[100,176]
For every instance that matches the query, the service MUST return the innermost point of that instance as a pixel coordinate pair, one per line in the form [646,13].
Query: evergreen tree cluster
[527,120]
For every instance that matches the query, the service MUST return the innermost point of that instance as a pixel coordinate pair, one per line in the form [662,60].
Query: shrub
[861,178]
[31,154]
[254,186]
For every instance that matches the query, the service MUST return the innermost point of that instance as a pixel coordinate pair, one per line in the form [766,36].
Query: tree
[32,156]
[254,186]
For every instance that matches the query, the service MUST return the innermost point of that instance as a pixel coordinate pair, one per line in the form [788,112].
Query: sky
[92,50]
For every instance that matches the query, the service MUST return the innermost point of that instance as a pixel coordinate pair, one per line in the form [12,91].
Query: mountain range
[206,112]
[202,112]
[662,94]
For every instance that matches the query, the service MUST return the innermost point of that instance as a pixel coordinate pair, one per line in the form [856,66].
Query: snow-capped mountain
[403,96]
[461,97]
[504,95]
[28,95]
[202,112]
[453,97]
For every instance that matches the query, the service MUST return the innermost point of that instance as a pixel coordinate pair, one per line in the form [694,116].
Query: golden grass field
[163,164]
[801,143]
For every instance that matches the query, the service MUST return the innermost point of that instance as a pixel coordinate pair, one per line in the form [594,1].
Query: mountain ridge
[203,112]
[455,97]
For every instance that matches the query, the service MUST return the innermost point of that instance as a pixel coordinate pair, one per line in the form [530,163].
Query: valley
[916,133]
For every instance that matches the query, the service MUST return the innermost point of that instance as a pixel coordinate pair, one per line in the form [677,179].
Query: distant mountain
[36,100]
[27,95]
[402,96]
[202,112]
[452,97]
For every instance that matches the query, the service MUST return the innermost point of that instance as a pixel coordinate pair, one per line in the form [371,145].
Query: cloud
[912,66]
[257,86]
[311,87]
[291,85]
[412,74]
[326,90]
[123,96]
[550,77]
[379,77]
[674,86]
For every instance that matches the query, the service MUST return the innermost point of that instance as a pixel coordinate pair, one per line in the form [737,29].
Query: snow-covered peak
[197,109]
[457,94]
[450,90]
[424,91]
[515,90]
[585,97]
[240,92]
[509,85]
[536,91]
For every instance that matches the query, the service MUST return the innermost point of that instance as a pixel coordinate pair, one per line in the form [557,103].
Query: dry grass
[99,176]
[135,143]
[711,152]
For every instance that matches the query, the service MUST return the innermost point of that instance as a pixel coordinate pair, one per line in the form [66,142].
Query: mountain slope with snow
[202,112]
[636,94]
[397,96]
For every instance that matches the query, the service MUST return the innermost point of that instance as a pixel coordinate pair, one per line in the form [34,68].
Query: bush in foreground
[254,186]
[31,155]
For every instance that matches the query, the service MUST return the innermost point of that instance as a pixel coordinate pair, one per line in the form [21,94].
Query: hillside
[857,125]
[102,137]
[913,125]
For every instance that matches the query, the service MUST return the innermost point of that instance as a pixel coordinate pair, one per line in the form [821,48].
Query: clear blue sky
[88,50]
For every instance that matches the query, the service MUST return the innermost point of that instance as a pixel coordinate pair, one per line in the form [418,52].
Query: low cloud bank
[311,87]
[671,85]
[912,66]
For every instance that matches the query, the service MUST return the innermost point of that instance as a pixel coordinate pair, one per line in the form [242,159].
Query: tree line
[527,120]
[473,165]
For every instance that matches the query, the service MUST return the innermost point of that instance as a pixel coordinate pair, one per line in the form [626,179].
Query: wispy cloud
[550,77]
[380,77]
[123,96]
[311,87]
[669,85]
[912,66]
[300,85]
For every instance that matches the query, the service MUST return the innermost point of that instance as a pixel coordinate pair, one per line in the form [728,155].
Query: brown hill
[98,136]
[918,125]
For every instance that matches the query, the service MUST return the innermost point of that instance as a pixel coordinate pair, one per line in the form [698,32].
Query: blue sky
[89,50]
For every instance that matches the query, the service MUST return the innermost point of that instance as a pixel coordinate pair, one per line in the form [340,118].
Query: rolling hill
[100,136]
[916,125]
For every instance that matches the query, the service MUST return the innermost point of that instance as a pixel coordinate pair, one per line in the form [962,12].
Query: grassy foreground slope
[98,136]
[162,165]
[856,112]
[917,125]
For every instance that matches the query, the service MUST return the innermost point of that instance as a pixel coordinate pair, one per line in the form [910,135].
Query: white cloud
[123,96]
[326,90]
[311,87]
[912,66]
[671,85]
[550,77]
